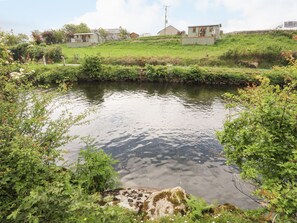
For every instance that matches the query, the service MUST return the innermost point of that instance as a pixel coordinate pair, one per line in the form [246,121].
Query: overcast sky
[145,16]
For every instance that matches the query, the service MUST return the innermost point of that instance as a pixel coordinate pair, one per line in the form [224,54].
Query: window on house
[194,29]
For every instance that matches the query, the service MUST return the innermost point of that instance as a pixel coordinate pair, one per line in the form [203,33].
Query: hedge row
[149,73]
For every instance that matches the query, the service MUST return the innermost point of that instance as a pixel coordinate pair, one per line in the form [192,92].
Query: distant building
[203,35]
[169,31]
[288,25]
[83,39]
[134,35]
[94,37]
[112,34]
[145,34]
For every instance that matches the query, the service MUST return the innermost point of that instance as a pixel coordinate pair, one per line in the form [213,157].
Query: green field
[232,50]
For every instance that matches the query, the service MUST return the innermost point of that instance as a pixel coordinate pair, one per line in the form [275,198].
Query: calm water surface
[162,134]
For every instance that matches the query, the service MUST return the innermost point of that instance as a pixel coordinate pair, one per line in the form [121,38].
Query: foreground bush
[33,188]
[262,141]
[95,172]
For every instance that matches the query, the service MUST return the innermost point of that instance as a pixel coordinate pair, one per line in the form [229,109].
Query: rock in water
[164,203]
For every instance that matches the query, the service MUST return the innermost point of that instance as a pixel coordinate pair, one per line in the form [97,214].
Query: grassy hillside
[232,50]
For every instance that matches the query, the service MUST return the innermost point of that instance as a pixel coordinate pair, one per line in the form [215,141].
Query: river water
[163,135]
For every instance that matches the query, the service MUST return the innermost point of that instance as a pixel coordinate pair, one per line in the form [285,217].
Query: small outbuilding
[203,35]
[134,35]
[95,37]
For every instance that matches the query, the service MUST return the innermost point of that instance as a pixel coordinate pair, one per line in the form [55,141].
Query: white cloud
[171,2]
[147,16]
[135,15]
[259,14]
[202,5]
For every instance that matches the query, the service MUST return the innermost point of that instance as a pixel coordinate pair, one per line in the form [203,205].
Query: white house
[94,37]
[203,35]
[84,39]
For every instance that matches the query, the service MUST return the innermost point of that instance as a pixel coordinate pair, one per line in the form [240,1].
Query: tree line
[56,36]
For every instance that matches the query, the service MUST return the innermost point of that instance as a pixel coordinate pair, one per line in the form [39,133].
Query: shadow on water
[188,92]
[162,134]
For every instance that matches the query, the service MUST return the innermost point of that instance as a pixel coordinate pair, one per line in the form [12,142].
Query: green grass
[169,49]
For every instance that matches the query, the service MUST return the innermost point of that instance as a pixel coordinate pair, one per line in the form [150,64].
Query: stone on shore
[165,203]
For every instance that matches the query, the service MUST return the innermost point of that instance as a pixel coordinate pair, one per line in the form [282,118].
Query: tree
[53,36]
[124,34]
[12,39]
[69,30]
[82,28]
[262,141]
[48,37]
[59,36]
[103,34]
[36,34]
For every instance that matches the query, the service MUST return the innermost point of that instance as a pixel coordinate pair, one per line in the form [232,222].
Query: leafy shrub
[197,207]
[185,74]
[156,73]
[36,52]
[91,67]
[53,53]
[20,51]
[94,170]
[262,141]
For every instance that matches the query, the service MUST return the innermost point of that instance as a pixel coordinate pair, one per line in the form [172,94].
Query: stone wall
[77,45]
[198,40]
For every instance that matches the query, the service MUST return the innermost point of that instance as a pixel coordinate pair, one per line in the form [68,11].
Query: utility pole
[166,21]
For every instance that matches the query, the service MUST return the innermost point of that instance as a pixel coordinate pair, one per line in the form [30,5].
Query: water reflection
[162,134]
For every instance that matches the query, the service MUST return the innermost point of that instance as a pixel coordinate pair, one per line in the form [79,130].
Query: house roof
[82,34]
[170,26]
[205,26]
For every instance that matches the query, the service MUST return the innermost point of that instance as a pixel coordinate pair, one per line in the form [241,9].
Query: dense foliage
[24,52]
[33,188]
[262,141]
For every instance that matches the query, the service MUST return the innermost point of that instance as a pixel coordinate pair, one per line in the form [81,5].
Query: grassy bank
[233,50]
[159,73]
